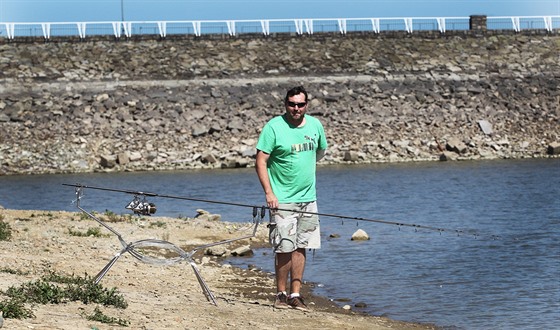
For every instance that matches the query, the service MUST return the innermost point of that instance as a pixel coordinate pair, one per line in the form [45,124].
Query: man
[287,151]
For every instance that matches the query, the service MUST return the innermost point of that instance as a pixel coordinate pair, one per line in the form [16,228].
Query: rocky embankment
[103,105]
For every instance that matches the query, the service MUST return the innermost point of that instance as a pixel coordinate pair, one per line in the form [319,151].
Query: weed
[159,224]
[56,288]
[95,232]
[100,317]
[5,230]
[15,309]
[112,216]
[13,271]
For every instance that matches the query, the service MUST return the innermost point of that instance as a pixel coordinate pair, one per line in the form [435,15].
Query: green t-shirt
[293,154]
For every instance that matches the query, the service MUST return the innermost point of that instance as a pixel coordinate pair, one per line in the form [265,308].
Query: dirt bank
[159,297]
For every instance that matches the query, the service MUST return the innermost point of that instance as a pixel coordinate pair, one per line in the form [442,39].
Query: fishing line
[440,230]
[142,206]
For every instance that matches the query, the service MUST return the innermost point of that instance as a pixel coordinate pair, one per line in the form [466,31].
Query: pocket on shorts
[273,237]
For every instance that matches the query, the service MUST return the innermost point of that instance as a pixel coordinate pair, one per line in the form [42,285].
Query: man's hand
[271,201]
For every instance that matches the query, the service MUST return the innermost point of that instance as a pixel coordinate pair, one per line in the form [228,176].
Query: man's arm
[262,173]
[320,154]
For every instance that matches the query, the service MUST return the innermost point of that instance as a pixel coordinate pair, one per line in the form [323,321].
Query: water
[456,282]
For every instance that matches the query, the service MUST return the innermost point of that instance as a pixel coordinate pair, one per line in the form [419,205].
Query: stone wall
[188,102]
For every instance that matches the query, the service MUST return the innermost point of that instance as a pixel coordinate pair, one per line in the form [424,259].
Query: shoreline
[443,157]
[158,297]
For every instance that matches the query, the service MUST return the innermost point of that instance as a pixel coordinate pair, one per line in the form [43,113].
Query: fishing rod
[145,208]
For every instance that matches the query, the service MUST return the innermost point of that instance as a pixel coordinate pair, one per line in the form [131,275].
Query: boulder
[216,251]
[360,235]
[351,156]
[553,148]
[456,145]
[108,161]
[446,155]
[485,126]
[207,216]
[242,251]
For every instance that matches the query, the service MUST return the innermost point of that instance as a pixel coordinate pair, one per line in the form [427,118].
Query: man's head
[296,105]
[295,91]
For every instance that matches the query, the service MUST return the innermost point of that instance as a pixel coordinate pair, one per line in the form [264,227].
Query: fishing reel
[141,206]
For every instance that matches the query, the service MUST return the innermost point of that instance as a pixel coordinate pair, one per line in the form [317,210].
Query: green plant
[95,232]
[13,271]
[159,224]
[15,309]
[112,216]
[5,230]
[56,288]
[100,317]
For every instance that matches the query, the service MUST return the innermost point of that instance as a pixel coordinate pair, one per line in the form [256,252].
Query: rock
[199,130]
[456,145]
[247,151]
[236,124]
[351,156]
[108,161]
[135,156]
[217,251]
[208,157]
[122,158]
[360,235]
[553,148]
[485,126]
[446,155]
[207,216]
[242,251]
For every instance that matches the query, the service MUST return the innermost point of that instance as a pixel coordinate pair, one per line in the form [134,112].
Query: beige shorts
[291,230]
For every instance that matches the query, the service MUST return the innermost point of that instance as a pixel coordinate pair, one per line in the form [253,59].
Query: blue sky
[152,10]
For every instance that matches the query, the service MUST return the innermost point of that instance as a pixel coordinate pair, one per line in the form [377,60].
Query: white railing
[11,30]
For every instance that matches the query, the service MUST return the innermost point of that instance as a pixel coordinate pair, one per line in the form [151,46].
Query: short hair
[295,91]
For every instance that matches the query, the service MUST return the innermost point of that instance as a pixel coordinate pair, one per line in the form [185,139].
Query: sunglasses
[293,104]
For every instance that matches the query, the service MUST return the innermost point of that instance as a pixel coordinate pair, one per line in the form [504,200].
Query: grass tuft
[100,317]
[56,288]
[5,230]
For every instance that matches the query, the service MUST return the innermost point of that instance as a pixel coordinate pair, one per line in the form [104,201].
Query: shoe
[281,301]
[297,303]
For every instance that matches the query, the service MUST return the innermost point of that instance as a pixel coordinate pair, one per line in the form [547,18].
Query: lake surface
[456,281]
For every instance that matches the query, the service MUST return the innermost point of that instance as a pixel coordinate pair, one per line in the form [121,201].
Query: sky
[169,10]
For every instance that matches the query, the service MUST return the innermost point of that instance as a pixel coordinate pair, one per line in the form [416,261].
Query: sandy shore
[159,297]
